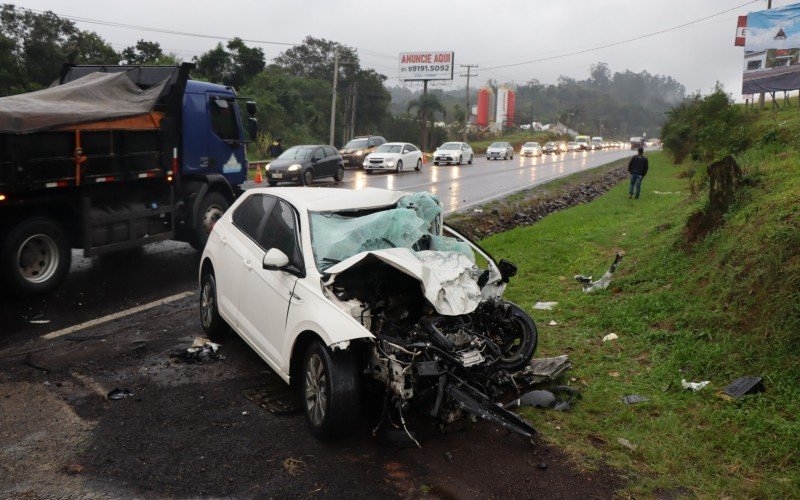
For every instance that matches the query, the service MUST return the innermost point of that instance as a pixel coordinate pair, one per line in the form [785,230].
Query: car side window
[280,231]
[405,149]
[330,152]
[249,217]
[411,148]
[318,154]
[371,143]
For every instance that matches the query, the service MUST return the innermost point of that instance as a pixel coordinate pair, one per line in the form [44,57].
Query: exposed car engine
[443,366]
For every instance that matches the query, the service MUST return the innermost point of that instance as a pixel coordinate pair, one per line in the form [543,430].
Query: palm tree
[427,105]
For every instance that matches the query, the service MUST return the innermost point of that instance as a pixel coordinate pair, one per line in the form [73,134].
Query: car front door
[265,295]
[318,163]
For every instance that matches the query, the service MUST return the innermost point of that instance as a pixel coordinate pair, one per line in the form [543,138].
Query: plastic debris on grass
[610,336]
[633,399]
[694,386]
[545,306]
[627,444]
[742,386]
[590,286]
[559,398]
[552,323]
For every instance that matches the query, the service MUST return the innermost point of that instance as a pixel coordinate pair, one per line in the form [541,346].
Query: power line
[614,44]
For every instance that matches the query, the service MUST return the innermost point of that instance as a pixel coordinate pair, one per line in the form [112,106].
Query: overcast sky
[486,33]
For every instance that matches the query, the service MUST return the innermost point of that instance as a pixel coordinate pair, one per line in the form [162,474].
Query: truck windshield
[297,153]
[356,143]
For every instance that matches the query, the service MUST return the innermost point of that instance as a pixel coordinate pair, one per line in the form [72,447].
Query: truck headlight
[294,168]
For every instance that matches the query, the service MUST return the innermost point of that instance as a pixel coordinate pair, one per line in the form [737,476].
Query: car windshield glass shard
[388,148]
[297,153]
[412,224]
[447,146]
[356,143]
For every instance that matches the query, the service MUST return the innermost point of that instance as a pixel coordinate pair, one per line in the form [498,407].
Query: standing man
[638,169]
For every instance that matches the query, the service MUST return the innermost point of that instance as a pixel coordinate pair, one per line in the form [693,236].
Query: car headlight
[294,168]
[390,163]
[359,153]
[266,167]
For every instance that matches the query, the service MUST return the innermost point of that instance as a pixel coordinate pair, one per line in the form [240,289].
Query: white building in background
[755,61]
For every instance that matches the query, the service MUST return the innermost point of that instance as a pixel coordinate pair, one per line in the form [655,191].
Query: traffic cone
[258,179]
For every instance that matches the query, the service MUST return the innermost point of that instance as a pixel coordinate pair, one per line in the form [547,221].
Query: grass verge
[700,313]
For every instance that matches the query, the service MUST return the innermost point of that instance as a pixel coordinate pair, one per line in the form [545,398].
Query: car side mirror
[274,260]
[507,270]
[252,110]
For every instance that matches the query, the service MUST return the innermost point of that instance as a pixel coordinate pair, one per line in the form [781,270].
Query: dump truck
[110,158]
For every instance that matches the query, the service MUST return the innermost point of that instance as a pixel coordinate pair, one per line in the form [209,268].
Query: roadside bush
[705,128]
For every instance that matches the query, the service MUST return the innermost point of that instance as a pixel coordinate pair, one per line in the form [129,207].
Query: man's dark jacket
[638,165]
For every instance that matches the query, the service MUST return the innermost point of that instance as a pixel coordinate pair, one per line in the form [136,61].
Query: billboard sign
[772,50]
[426,65]
[741,30]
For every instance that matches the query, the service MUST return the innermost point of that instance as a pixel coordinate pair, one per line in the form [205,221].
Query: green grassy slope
[726,307]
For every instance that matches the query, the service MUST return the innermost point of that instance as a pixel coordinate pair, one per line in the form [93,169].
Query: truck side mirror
[252,128]
[251,108]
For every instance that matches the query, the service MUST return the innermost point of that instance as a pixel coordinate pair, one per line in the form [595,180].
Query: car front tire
[308,177]
[339,174]
[399,167]
[419,165]
[330,390]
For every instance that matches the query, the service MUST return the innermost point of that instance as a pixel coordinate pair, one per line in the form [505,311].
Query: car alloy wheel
[399,167]
[308,177]
[316,390]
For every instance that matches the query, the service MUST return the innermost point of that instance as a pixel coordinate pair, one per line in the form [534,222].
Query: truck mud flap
[472,401]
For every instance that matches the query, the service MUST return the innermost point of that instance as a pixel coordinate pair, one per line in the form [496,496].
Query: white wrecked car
[334,288]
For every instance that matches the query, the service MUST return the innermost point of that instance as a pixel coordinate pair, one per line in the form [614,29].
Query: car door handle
[247,265]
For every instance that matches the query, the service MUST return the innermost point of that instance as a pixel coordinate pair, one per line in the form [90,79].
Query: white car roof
[333,199]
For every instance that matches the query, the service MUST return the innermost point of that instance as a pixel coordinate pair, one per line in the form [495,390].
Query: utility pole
[333,98]
[468,111]
[424,141]
[530,87]
[761,95]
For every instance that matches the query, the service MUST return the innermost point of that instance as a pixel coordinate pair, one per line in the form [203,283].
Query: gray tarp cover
[95,97]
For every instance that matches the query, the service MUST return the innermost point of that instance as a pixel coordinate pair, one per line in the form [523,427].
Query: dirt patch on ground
[187,430]
[530,206]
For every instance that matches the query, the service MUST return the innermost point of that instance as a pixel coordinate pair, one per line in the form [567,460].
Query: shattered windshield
[389,148]
[296,153]
[413,223]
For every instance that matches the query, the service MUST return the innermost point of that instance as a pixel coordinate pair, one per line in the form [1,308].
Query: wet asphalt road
[101,286]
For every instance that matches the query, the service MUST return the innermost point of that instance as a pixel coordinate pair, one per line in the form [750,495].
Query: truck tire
[36,257]
[211,209]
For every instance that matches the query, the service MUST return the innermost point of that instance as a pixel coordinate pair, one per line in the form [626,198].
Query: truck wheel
[331,398]
[339,174]
[36,257]
[211,209]
[212,322]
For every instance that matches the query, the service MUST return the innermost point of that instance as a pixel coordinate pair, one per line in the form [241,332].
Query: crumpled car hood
[448,279]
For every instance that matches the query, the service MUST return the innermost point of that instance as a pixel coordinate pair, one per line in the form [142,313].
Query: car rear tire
[36,257]
[339,174]
[210,320]
[211,210]
[399,167]
[308,177]
[330,390]
[419,165]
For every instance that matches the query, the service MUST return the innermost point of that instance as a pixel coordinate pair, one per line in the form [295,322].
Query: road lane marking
[114,316]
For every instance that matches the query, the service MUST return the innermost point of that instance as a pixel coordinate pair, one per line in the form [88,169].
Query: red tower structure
[482,120]
[510,110]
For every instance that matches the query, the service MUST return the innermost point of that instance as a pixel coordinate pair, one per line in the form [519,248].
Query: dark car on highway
[354,151]
[303,164]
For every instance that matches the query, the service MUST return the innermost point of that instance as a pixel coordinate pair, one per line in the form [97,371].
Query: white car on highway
[334,288]
[499,150]
[453,152]
[396,156]
[531,149]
